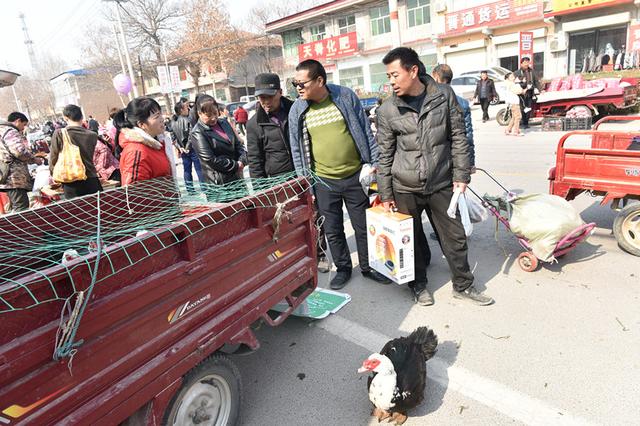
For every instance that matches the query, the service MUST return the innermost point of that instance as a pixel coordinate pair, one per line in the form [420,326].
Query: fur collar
[137,135]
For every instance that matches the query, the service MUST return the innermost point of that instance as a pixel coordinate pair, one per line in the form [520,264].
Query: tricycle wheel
[626,228]
[210,394]
[528,262]
[502,117]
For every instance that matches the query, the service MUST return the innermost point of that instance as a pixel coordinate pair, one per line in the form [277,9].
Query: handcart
[528,261]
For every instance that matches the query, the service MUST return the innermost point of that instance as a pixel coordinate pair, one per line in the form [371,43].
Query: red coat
[142,157]
[241,115]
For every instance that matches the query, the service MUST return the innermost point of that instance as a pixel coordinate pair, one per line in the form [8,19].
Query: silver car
[465,86]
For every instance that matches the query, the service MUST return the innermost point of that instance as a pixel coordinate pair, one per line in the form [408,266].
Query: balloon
[122,84]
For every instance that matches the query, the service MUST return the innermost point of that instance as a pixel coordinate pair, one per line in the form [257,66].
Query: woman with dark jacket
[221,153]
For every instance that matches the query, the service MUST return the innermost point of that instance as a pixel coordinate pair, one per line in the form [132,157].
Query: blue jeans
[189,160]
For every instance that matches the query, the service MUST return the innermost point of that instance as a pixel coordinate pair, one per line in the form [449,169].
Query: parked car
[465,86]
[248,98]
[231,107]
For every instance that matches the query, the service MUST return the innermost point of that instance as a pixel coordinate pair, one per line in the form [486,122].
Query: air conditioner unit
[558,42]
[440,6]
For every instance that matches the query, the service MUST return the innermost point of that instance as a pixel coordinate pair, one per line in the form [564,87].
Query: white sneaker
[526,110]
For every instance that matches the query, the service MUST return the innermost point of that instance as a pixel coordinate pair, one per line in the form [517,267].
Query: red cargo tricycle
[610,168]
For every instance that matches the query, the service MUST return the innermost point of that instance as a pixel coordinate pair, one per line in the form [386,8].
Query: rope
[277,217]
[68,346]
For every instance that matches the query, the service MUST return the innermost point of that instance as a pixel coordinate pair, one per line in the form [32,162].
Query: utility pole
[28,42]
[126,47]
[141,76]
[124,72]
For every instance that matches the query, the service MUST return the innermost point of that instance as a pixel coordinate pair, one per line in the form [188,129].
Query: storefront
[596,35]
[507,51]
[487,35]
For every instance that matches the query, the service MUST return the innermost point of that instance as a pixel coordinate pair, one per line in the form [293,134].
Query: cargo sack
[543,220]
[69,167]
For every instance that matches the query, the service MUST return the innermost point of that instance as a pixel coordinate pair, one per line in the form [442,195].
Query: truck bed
[190,287]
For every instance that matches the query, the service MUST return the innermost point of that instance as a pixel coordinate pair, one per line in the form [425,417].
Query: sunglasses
[300,84]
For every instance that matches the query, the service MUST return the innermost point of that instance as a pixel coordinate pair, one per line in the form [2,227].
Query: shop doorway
[595,50]
[513,63]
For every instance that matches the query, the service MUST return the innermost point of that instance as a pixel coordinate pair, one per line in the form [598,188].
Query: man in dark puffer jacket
[424,156]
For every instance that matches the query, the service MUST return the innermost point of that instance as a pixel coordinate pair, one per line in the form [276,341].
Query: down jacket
[19,157]
[422,151]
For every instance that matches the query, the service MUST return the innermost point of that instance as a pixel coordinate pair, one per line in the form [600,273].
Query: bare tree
[210,43]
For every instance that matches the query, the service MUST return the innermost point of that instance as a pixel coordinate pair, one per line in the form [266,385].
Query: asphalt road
[559,346]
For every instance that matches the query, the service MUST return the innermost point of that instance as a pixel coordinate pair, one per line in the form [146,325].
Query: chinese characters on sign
[525,45]
[634,37]
[562,7]
[329,48]
[496,14]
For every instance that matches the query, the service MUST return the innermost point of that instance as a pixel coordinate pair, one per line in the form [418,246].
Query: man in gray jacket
[424,156]
[330,135]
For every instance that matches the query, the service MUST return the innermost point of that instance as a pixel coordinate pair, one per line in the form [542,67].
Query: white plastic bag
[459,202]
[477,212]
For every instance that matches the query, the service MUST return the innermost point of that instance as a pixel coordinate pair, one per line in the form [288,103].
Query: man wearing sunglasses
[330,136]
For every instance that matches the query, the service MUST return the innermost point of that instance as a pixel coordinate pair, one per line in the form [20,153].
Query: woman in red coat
[146,152]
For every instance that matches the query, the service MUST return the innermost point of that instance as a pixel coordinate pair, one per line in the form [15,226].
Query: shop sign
[634,37]
[525,45]
[562,7]
[497,14]
[329,48]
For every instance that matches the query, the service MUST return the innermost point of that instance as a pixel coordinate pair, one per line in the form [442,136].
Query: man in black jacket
[530,83]
[424,156]
[485,93]
[180,130]
[268,148]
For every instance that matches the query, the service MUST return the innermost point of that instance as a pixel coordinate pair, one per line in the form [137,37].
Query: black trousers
[453,240]
[330,195]
[526,101]
[484,104]
[81,187]
[19,199]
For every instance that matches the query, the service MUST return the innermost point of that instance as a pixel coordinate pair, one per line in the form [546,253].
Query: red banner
[500,13]
[525,45]
[634,37]
[329,48]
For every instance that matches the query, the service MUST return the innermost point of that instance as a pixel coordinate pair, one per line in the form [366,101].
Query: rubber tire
[500,117]
[631,209]
[582,108]
[528,262]
[496,101]
[215,364]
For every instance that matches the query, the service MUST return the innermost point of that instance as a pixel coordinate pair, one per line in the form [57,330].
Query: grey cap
[267,84]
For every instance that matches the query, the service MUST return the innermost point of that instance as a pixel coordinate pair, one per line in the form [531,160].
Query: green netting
[97,234]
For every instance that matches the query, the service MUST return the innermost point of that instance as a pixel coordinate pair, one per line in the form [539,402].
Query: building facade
[90,89]
[351,36]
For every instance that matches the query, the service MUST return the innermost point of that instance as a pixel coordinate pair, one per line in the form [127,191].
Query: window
[221,95]
[317,32]
[418,12]
[352,78]
[290,41]
[330,77]
[380,21]
[429,61]
[378,77]
[347,24]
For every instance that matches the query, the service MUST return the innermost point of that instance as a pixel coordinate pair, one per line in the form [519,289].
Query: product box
[390,243]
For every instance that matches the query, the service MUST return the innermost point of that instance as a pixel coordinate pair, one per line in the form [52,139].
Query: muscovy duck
[399,374]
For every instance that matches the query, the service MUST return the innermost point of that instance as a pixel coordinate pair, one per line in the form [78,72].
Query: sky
[55,27]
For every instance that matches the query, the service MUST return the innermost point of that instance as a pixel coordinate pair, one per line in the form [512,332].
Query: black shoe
[423,297]
[376,276]
[323,264]
[340,280]
[434,236]
[473,295]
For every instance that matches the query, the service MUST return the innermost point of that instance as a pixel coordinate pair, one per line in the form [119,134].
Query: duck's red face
[369,365]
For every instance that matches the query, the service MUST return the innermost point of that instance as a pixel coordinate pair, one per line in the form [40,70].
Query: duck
[399,374]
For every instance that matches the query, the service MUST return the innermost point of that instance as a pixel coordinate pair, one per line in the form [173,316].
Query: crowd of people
[422,151]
